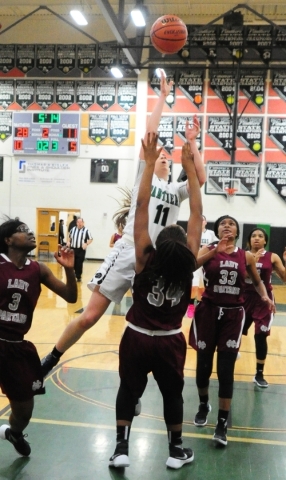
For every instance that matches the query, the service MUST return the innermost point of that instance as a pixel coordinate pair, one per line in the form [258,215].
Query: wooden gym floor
[72,433]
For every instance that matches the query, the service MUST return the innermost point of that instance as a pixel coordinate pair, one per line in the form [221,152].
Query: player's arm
[155,117]
[194,227]
[68,290]
[111,243]
[206,253]
[142,239]
[191,133]
[278,265]
[256,280]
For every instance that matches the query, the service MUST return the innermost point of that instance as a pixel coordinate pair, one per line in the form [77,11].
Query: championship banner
[155,85]
[65,93]
[105,94]
[220,129]
[86,57]
[106,57]
[249,131]
[277,132]
[166,133]
[204,38]
[181,127]
[119,127]
[5,125]
[191,84]
[45,57]
[242,177]
[223,84]
[25,57]
[66,58]
[127,94]
[45,93]
[280,37]
[98,127]
[7,57]
[6,93]
[85,94]
[25,93]
[253,87]
[259,36]
[279,83]
[275,176]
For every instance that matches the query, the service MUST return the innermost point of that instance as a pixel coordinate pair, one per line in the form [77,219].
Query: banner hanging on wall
[98,127]
[44,173]
[277,132]
[191,83]
[5,125]
[275,176]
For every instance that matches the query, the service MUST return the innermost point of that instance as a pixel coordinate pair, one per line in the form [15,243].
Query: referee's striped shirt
[79,236]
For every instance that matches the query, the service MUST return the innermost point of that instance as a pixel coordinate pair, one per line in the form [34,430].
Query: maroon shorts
[258,312]
[164,356]
[216,327]
[20,371]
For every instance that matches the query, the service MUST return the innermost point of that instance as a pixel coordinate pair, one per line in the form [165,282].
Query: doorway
[48,226]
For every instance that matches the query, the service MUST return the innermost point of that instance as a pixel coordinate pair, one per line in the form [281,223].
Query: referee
[79,238]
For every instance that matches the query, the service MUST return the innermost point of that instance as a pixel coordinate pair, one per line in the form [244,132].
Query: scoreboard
[46,133]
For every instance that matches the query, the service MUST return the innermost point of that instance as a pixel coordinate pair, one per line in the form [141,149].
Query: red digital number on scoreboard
[18,144]
[45,132]
[72,147]
[22,132]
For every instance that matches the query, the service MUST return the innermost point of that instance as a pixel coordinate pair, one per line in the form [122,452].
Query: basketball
[168,34]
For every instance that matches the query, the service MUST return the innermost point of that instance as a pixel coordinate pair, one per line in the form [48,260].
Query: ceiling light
[78,17]
[116,72]
[138,18]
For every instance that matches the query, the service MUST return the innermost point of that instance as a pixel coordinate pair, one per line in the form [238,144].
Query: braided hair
[174,261]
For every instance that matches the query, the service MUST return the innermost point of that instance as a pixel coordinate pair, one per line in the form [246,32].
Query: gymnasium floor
[72,433]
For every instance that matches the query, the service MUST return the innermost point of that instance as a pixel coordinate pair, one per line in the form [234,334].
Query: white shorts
[198,278]
[115,274]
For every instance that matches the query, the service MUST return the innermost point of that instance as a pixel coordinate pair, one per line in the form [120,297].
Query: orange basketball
[168,34]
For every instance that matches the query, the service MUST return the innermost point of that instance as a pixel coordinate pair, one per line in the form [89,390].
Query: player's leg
[20,416]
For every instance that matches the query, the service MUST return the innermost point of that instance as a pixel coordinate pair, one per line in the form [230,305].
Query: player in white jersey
[113,279]
[208,236]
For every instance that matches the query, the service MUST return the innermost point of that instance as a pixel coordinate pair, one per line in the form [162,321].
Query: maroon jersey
[116,237]
[19,293]
[264,268]
[153,307]
[224,276]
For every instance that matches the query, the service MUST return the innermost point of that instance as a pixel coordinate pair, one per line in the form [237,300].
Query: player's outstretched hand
[65,256]
[187,156]
[48,363]
[192,131]
[151,153]
[165,86]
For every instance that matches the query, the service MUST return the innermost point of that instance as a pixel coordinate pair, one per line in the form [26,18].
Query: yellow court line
[152,431]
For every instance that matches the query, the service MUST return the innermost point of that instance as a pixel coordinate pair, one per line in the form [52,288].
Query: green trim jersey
[164,204]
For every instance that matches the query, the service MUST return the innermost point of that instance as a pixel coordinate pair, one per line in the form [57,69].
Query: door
[48,228]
